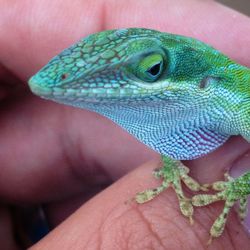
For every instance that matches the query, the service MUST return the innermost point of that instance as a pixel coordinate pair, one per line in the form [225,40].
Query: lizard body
[177,95]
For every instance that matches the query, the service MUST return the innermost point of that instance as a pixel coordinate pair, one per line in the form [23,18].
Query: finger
[46,29]
[46,147]
[213,166]
[109,221]
[210,168]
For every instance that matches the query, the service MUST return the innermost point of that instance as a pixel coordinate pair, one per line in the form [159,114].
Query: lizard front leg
[172,173]
[230,191]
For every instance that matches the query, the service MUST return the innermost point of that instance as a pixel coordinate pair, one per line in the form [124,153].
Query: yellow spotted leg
[172,173]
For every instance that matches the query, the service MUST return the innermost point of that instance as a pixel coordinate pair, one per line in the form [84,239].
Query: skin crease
[61,156]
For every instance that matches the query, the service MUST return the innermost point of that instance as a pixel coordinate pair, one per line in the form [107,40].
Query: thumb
[109,221]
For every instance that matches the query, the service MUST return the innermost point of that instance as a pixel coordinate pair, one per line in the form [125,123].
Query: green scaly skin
[177,95]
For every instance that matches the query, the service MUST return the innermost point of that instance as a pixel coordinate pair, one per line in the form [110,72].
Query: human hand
[61,156]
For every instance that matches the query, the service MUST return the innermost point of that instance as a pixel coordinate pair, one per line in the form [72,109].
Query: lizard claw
[172,173]
[231,191]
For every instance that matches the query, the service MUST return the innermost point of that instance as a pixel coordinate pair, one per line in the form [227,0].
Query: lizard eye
[150,68]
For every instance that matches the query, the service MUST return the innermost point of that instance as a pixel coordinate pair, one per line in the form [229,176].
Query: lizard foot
[172,173]
[231,191]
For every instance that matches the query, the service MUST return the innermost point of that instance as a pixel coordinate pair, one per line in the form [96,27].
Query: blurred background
[240,5]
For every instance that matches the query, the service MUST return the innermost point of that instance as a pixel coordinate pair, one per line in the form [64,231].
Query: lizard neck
[168,128]
[242,118]
[231,100]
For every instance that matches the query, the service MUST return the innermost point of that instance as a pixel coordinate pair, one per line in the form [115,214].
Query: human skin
[61,156]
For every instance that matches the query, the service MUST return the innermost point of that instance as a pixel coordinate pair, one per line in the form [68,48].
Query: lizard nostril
[64,76]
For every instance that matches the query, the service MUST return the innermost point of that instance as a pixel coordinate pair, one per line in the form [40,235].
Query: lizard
[178,95]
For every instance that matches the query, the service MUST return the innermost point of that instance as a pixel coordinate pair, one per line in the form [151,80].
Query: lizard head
[129,64]
[136,74]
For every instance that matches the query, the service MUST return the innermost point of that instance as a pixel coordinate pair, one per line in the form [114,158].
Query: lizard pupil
[155,70]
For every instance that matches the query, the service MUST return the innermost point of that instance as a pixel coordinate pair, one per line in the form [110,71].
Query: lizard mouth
[57,92]
[39,89]
[91,95]
[82,94]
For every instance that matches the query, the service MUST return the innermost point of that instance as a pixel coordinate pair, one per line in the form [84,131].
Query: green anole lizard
[175,94]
